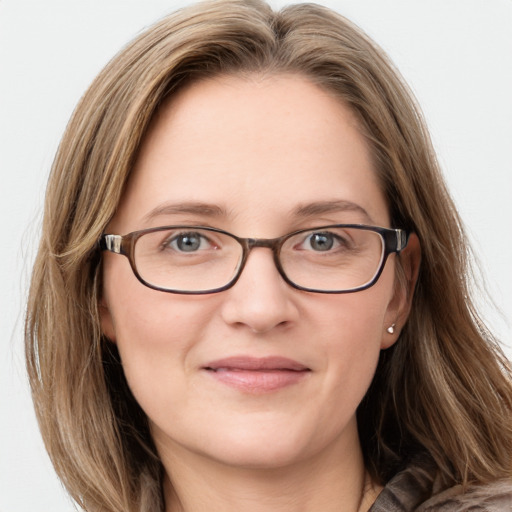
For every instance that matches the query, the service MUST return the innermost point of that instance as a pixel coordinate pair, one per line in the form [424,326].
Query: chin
[277,444]
[261,453]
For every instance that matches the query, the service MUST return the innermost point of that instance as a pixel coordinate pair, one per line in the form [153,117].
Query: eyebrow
[323,207]
[193,208]
[212,210]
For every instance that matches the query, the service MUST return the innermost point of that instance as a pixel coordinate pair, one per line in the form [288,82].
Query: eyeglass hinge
[113,243]
[401,236]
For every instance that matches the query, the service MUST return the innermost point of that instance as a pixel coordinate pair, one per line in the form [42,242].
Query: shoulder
[415,489]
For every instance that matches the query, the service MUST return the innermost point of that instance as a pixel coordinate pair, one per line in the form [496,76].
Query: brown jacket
[416,489]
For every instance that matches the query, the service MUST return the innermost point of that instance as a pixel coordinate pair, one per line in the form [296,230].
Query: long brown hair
[444,388]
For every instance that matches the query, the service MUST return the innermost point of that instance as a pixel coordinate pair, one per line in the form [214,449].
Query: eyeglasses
[339,258]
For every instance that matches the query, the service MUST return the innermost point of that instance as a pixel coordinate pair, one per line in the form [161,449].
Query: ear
[407,270]
[106,321]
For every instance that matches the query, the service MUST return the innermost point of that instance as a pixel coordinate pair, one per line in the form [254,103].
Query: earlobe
[407,270]
[107,324]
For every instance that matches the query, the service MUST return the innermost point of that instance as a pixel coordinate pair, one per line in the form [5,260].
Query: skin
[257,148]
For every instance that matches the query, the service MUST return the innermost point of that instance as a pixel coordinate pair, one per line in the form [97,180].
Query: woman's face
[262,374]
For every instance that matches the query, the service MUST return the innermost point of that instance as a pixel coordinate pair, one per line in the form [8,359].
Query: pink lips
[257,375]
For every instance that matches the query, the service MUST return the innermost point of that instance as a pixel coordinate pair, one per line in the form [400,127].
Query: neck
[331,482]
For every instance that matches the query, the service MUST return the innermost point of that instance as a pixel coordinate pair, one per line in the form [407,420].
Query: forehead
[254,147]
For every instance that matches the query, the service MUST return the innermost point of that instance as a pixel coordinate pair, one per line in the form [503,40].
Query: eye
[321,241]
[192,241]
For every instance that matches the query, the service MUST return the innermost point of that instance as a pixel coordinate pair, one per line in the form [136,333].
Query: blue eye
[188,242]
[321,241]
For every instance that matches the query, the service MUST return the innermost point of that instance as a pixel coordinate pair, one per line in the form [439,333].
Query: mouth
[257,375]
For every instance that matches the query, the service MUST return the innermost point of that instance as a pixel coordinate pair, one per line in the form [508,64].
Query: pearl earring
[391,329]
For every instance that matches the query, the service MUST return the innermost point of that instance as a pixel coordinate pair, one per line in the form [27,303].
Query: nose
[260,300]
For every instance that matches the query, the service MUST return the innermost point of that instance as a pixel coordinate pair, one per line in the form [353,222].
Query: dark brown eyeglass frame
[395,240]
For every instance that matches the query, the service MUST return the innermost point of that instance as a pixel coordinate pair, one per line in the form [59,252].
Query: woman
[260,284]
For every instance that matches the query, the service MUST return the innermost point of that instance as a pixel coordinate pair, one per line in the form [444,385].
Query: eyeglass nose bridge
[274,244]
[269,243]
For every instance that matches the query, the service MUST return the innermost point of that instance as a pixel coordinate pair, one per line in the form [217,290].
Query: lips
[257,375]
[255,364]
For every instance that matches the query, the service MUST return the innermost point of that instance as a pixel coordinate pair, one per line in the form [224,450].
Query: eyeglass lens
[194,260]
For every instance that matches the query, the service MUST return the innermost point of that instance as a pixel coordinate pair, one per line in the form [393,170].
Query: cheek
[156,333]
[356,319]
[353,331]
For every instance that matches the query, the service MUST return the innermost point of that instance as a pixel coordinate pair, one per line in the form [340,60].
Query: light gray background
[456,54]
